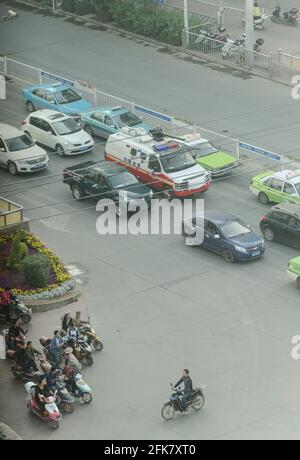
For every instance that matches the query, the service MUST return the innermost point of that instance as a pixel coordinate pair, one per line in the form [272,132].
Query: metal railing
[170,124]
[288,60]
[10,213]
[227,52]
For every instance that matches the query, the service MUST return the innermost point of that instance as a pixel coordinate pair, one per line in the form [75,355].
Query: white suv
[18,152]
[58,131]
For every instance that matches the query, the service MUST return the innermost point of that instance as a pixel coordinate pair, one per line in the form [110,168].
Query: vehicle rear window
[67,96]
[128,119]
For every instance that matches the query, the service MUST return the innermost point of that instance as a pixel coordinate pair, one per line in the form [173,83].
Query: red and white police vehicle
[158,160]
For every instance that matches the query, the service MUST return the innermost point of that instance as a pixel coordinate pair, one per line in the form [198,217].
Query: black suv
[106,180]
[282,223]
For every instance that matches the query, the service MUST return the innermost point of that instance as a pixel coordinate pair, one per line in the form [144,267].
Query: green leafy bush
[36,269]
[19,252]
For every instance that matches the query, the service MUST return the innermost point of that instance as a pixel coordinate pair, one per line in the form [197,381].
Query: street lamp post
[249,43]
[54,6]
[186,21]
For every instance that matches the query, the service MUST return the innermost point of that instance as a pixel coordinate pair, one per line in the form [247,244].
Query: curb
[179,49]
[39,306]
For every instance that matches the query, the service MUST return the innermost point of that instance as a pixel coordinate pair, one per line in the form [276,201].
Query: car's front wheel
[263,198]
[12,168]
[30,106]
[228,256]
[59,150]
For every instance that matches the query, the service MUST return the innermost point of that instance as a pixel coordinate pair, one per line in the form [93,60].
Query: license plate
[83,148]
[38,167]
[255,254]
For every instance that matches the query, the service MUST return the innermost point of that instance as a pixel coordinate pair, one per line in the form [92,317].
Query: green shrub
[69,6]
[36,269]
[18,252]
[83,7]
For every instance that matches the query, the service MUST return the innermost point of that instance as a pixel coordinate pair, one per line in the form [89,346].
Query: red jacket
[5,298]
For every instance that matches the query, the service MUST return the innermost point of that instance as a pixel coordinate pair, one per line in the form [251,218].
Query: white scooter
[259,23]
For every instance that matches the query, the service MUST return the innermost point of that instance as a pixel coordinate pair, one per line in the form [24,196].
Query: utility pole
[221,16]
[54,6]
[249,32]
[186,21]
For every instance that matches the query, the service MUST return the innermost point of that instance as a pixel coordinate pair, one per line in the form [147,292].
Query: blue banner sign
[153,114]
[260,151]
[52,76]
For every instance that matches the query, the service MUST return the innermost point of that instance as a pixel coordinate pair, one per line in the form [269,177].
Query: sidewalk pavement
[275,35]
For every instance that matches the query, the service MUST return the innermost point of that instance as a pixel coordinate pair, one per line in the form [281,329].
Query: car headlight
[240,249]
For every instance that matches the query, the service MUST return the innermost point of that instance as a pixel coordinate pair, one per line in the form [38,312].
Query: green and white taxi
[294,270]
[213,159]
[277,187]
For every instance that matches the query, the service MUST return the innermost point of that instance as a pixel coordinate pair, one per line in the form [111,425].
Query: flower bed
[15,279]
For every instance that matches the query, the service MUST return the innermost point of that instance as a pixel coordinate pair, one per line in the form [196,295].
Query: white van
[158,161]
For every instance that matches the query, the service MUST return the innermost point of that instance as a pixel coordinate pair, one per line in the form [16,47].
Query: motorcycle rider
[71,361]
[188,387]
[51,379]
[22,360]
[55,346]
[6,298]
[73,333]
[256,11]
[14,332]
[78,321]
[31,354]
[40,395]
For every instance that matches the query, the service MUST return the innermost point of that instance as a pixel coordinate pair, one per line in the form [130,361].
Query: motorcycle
[258,23]
[211,42]
[17,311]
[196,402]
[25,374]
[53,417]
[290,17]
[83,351]
[237,49]
[77,386]
[10,15]
[232,47]
[92,339]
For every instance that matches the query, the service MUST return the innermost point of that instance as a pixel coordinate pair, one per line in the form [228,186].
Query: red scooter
[53,417]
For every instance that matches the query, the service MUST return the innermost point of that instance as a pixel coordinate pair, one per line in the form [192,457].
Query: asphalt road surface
[161,306]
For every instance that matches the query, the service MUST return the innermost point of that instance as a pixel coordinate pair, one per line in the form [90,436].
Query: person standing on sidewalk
[256,11]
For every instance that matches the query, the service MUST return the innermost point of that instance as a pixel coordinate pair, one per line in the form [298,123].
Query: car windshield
[66,126]
[177,161]
[234,229]
[127,119]
[123,180]
[19,143]
[297,186]
[67,96]
[203,149]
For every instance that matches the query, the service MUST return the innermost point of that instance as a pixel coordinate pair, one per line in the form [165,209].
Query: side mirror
[2,149]
[217,236]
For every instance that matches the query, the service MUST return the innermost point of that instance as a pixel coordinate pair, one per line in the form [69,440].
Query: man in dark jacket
[188,387]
